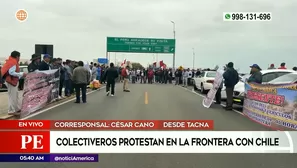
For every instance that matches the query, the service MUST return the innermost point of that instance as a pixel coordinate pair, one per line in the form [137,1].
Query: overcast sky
[78,29]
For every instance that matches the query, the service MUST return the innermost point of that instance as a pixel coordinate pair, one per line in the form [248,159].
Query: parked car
[285,79]
[267,76]
[21,82]
[204,82]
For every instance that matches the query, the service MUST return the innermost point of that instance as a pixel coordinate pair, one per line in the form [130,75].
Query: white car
[285,79]
[267,76]
[204,82]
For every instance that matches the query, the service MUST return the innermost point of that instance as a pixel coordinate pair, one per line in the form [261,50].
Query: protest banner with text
[274,106]
[40,88]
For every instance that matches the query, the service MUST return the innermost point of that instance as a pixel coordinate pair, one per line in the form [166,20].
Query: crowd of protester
[75,76]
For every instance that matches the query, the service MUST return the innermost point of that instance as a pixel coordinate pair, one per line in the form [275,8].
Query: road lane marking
[57,105]
[193,91]
[145,98]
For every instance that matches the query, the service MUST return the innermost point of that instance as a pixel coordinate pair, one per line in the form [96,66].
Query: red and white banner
[137,136]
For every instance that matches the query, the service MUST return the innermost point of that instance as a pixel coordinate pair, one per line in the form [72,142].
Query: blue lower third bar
[49,158]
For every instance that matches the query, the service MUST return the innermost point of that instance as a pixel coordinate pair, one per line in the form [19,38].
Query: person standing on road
[81,78]
[150,76]
[94,72]
[68,77]
[165,75]
[45,63]
[177,77]
[125,74]
[142,76]
[189,80]
[62,75]
[11,72]
[98,73]
[133,75]
[111,75]
[57,64]
[35,61]
[185,78]
[170,76]
[256,75]
[231,78]
[198,72]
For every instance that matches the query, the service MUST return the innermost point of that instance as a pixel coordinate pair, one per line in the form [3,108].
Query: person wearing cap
[282,66]
[45,63]
[35,61]
[256,75]
[231,78]
[271,66]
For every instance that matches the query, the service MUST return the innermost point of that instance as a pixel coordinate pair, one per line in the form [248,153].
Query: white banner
[208,99]
[172,142]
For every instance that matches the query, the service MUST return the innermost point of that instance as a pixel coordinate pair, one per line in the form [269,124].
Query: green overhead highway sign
[140,45]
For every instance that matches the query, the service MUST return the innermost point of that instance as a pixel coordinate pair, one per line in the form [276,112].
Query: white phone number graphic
[247,16]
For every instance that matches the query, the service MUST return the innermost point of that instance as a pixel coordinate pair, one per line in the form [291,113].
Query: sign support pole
[173,61]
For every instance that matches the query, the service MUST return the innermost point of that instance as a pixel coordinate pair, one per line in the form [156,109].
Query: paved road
[163,102]
[236,107]
[3,103]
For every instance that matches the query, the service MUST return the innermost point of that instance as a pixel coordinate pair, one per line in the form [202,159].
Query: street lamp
[193,58]
[175,44]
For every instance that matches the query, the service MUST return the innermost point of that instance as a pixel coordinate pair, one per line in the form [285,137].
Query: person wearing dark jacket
[256,75]
[57,64]
[35,61]
[81,78]
[110,76]
[231,78]
[198,72]
[170,76]
[45,63]
[165,76]
[177,76]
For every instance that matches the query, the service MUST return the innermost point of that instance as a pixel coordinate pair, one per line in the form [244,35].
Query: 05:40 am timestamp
[247,16]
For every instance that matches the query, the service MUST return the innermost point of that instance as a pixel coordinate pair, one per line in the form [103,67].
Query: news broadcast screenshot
[148,84]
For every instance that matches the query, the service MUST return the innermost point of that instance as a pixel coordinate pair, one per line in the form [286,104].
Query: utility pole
[193,58]
[173,62]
